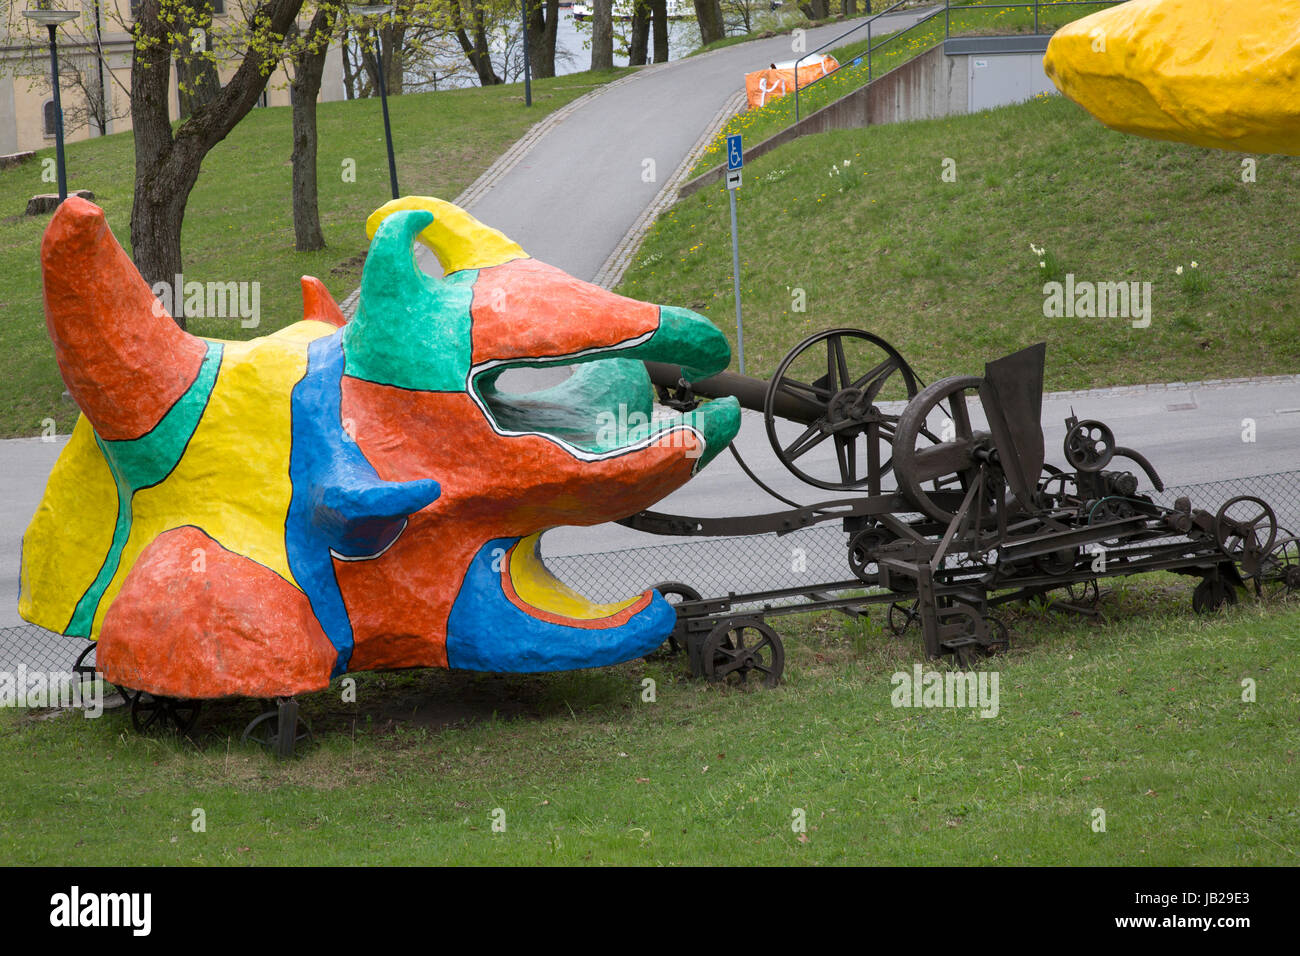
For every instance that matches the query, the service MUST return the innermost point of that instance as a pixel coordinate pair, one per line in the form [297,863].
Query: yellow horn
[458,239]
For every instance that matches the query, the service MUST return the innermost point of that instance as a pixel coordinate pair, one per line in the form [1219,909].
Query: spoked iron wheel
[735,649]
[903,616]
[835,379]
[280,731]
[1246,530]
[675,592]
[935,444]
[1279,572]
[155,713]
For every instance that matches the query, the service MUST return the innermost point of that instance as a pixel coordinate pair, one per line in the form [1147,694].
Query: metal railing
[946,9]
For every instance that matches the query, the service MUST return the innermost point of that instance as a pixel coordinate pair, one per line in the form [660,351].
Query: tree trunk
[659,11]
[602,35]
[708,14]
[309,66]
[394,38]
[477,52]
[543,21]
[850,8]
[167,163]
[816,9]
[640,41]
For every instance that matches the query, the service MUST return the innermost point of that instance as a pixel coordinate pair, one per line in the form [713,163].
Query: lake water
[573,47]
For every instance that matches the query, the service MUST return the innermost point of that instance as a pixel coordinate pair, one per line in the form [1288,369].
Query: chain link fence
[714,567]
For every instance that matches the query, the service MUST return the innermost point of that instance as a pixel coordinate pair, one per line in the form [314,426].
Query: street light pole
[46,15]
[379,9]
[528,69]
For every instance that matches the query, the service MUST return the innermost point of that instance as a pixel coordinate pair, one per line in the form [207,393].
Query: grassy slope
[945,270]
[1141,716]
[889,50]
[239,224]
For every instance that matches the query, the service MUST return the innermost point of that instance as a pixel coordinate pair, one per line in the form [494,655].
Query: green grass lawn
[1140,715]
[946,272]
[888,50]
[239,224]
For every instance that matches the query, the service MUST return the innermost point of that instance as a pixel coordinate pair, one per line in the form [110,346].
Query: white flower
[848,163]
[1042,264]
[1178,271]
[1193,263]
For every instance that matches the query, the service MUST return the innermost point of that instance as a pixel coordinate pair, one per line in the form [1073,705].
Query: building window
[51,118]
[218,8]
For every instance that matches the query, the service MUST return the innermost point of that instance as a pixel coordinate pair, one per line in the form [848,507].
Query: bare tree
[96,106]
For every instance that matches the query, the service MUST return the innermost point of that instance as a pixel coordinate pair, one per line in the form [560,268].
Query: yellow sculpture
[1217,73]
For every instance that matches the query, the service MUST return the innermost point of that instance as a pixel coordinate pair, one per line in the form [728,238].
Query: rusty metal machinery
[949,517]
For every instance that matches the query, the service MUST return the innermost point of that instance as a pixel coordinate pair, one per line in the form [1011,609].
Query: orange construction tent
[778,79]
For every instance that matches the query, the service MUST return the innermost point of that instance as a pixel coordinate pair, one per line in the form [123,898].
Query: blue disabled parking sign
[735,152]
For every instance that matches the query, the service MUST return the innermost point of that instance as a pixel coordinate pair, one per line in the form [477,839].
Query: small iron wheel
[675,592]
[1089,445]
[1211,594]
[862,554]
[264,730]
[80,666]
[903,616]
[735,648]
[1281,567]
[150,712]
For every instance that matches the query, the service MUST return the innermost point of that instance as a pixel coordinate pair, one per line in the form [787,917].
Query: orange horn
[123,358]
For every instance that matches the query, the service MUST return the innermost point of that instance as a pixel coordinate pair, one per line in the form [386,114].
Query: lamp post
[528,68]
[379,10]
[47,15]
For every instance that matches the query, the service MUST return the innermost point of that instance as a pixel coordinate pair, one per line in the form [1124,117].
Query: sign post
[735,162]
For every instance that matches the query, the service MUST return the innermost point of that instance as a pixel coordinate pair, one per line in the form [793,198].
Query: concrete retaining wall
[959,76]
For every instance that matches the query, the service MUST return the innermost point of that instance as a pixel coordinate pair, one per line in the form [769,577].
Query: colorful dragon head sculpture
[253,518]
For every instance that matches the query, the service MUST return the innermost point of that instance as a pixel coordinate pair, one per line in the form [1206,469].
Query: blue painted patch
[486,632]
[339,502]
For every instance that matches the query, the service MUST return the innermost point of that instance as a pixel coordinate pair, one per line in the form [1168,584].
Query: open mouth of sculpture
[602,409]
